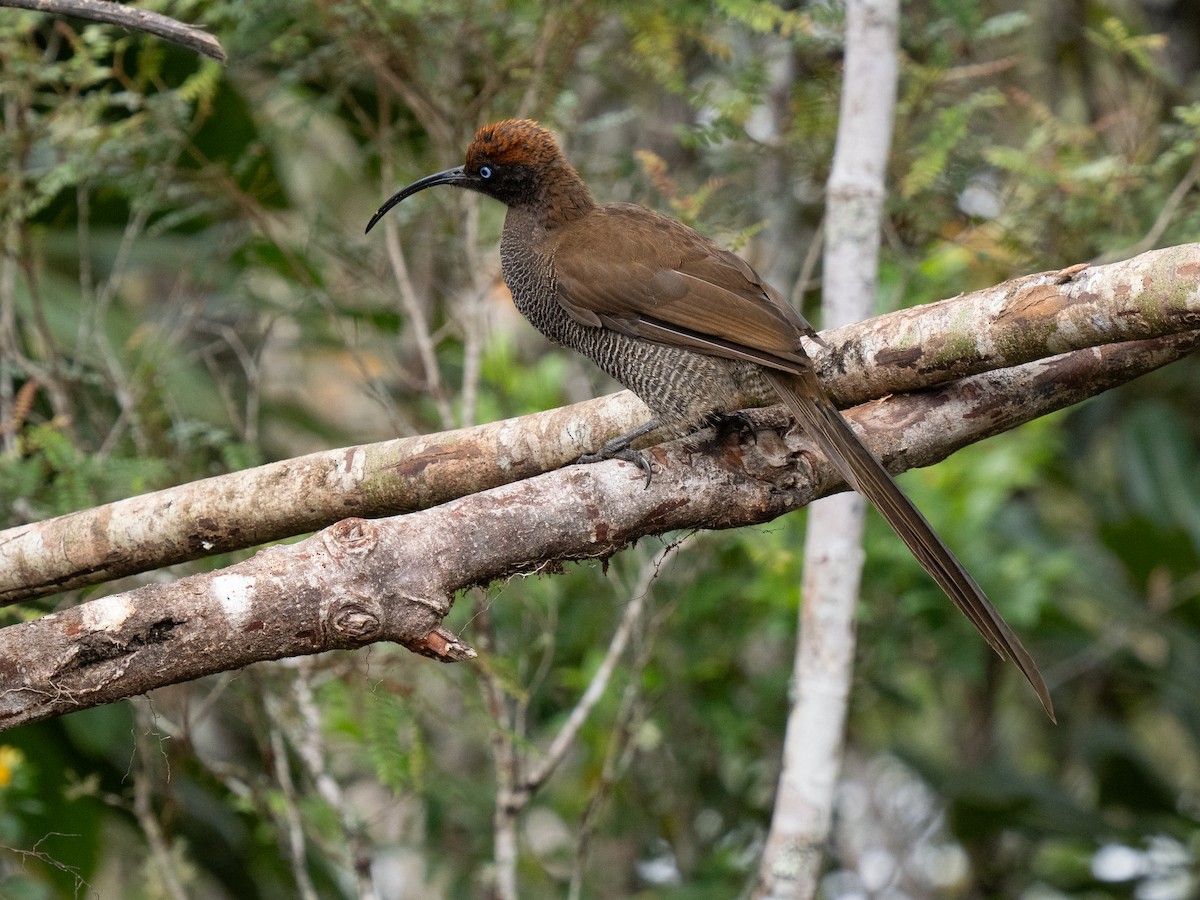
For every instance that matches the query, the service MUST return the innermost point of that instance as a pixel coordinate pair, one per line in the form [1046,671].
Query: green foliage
[1162,470]
[763,16]
[51,476]
[392,742]
[1115,38]
[950,128]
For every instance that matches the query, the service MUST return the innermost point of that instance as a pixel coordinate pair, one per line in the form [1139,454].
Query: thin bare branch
[630,619]
[130,17]
[1165,215]
[505,760]
[417,322]
[307,735]
[143,809]
[617,757]
[518,781]
[292,820]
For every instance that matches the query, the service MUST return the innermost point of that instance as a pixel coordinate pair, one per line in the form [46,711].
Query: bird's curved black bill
[456,176]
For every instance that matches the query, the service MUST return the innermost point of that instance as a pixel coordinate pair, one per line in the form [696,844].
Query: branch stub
[351,537]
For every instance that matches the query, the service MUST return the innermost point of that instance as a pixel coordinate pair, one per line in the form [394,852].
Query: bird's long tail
[866,474]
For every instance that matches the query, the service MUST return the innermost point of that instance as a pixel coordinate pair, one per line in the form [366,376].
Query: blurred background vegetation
[186,290]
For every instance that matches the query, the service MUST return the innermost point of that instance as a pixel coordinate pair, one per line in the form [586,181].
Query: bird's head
[513,161]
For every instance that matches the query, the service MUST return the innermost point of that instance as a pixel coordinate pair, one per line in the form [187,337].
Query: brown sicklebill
[687,326]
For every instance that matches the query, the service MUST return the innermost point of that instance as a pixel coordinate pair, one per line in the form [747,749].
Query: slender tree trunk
[833,553]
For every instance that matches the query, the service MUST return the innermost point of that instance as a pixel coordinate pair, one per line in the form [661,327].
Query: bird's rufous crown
[513,142]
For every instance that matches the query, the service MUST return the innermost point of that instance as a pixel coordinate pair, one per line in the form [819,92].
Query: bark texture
[394,579]
[1028,318]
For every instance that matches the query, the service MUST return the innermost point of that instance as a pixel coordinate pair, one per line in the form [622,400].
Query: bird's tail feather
[866,474]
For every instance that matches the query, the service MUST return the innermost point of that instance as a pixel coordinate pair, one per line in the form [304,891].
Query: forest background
[186,291]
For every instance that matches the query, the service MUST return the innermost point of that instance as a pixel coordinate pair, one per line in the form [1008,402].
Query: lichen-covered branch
[1029,318]
[394,579]
[296,496]
[1018,321]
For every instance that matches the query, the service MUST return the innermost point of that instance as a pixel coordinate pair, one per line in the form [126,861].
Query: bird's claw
[625,454]
[739,423]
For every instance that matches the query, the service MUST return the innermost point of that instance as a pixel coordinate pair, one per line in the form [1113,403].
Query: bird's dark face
[508,161]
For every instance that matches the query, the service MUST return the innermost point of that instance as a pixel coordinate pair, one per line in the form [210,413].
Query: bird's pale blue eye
[485,172]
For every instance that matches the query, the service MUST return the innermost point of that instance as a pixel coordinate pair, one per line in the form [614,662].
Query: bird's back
[547,272]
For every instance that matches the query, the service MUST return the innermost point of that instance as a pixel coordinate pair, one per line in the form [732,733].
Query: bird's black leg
[618,448]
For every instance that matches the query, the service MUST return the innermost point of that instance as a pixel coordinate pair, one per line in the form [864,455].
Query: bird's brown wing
[650,277]
[673,286]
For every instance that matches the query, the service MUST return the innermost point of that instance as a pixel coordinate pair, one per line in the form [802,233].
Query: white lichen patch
[347,475]
[234,594]
[512,436]
[106,614]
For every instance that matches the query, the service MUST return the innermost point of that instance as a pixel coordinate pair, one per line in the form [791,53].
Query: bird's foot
[622,453]
[739,423]
[618,448]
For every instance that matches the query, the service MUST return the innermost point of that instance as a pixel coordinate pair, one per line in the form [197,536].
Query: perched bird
[687,326]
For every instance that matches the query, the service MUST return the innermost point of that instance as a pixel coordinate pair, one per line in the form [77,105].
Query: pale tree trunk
[833,555]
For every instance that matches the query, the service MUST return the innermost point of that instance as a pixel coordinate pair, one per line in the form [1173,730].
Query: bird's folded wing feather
[673,286]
